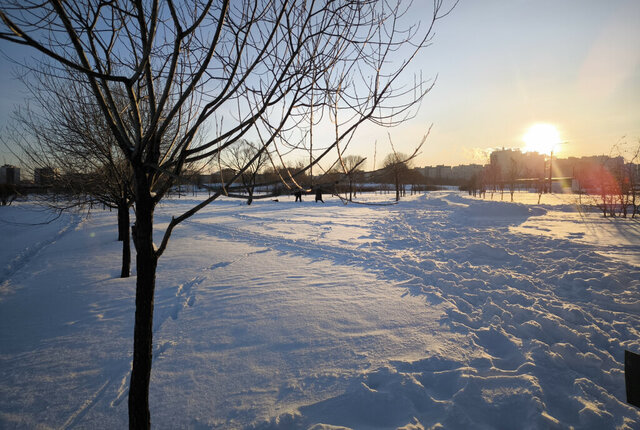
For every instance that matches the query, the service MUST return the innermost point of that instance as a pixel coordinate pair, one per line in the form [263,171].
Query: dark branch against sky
[501,66]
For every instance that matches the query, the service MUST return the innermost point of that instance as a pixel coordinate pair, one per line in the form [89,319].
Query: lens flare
[541,138]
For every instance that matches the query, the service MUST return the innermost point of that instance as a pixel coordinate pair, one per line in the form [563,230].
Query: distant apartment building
[466,171]
[433,173]
[443,172]
[448,174]
[527,167]
[582,173]
[585,166]
[428,172]
[440,172]
[43,176]
[9,174]
[514,161]
[589,173]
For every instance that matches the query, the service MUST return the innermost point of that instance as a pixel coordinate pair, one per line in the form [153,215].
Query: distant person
[319,195]
[298,194]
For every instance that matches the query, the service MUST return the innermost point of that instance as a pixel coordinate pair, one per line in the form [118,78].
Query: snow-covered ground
[443,311]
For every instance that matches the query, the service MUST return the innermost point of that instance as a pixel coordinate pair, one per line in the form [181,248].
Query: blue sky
[502,66]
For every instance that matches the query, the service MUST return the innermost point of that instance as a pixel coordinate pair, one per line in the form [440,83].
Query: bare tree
[8,193]
[607,188]
[243,157]
[247,68]
[540,185]
[64,131]
[396,166]
[397,170]
[621,174]
[634,179]
[352,169]
[513,173]
[417,181]
[625,172]
[494,177]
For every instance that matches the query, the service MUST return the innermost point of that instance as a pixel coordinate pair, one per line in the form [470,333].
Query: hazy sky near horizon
[502,66]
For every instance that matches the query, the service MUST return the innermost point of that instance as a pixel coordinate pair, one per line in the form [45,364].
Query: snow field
[440,312]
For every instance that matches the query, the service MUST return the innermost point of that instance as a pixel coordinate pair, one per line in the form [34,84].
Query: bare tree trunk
[350,190]
[123,211]
[123,234]
[397,180]
[146,263]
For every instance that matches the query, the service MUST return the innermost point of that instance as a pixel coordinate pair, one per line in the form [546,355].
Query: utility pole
[550,169]
[551,162]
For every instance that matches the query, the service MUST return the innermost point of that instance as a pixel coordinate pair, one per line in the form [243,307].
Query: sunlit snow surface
[443,310]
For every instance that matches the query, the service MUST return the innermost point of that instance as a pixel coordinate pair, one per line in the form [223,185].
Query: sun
[541,138]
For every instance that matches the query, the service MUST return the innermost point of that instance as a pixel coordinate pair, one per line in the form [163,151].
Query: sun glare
[541,138]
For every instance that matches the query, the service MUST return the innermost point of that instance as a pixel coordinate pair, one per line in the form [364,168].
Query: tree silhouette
[247,68]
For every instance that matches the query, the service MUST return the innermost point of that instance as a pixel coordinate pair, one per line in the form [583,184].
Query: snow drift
[440,312]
